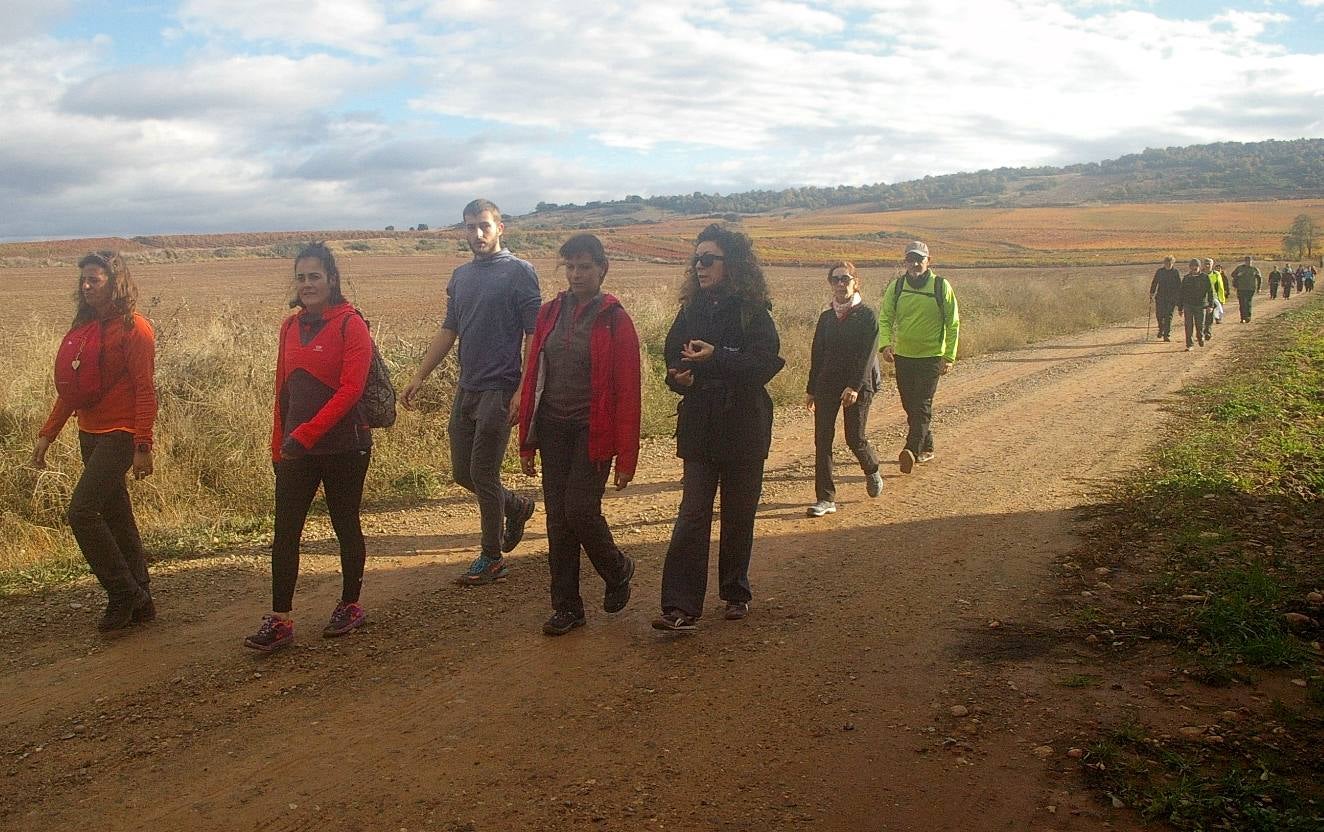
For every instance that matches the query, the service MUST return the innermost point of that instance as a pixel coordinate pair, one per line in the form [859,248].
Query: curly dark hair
[320,252]
[123,291]
[744,274]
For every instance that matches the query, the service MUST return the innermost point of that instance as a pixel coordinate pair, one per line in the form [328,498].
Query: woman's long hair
[123,291]
[744,274]
[319,252]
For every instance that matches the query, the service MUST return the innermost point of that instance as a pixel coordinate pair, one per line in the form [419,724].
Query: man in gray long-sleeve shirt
[491,305]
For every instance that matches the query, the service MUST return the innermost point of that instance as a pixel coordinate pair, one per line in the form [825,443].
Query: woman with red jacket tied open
[579,408]
[115,398]
[319,437]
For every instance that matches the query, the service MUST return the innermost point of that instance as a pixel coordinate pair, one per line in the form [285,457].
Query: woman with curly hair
[721,352]
[104,371]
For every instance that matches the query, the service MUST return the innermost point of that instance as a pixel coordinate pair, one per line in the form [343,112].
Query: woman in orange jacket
[104,373]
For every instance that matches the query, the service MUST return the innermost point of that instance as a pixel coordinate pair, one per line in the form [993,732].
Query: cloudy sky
[135,117]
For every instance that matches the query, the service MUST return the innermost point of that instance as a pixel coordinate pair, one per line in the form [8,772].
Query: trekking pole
[1149,317]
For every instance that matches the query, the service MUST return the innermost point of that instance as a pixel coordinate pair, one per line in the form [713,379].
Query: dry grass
[216,325]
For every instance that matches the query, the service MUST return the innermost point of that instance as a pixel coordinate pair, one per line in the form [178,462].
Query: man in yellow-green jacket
[918,327]
[1219,287]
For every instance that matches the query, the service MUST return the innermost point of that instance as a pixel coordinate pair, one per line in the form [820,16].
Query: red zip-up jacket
[320,383]
[128,358]
[614,384]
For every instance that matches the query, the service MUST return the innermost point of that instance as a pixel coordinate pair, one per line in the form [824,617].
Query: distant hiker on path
[843,375]
[1288,281]
[1310,279]
[319,436]
[918,329]
[1164,290]
[721,352]
[1275,278]
[579,410]
[1197,298]
[492,303]
[1214,315]
[104,371]
[1246,280]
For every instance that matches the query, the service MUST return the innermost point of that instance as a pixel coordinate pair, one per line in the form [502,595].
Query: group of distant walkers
[1200,294]
[566,373]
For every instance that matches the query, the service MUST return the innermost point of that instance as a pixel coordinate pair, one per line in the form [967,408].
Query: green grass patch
[1225,527]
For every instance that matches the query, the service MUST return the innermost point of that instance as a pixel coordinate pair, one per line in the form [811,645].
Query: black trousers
[1163,308]
[685,573]
[341,477]
[1287,289]
[572,488]
[855,420]
[479,432]
[1193,318]
[917,382]
[101,516]
[1245,297]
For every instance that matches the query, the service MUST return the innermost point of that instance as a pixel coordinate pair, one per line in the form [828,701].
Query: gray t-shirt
[492,304]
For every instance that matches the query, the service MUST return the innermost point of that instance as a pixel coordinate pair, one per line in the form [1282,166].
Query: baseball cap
[916,247]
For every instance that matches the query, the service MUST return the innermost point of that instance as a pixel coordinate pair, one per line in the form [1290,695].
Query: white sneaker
[873,483]
[820,508]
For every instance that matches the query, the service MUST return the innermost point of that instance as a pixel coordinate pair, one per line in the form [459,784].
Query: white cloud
[531,100]
[359,26]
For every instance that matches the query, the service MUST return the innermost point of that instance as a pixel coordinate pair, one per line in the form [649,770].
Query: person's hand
[39,453]
[809,402]
[889,354]
[142,464]
[622,479]
[512,416]
[697,351]
[526,465]
[849,396]
[411,390]
[684,378]
[944,367]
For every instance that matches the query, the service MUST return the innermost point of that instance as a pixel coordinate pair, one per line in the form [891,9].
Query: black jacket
[844,353]
[1196,291]
[1166,285]
[727,413]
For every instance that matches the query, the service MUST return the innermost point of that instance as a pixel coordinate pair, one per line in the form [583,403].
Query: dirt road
[828,708]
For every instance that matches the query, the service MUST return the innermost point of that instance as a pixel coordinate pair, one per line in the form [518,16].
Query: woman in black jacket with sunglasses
[721,352]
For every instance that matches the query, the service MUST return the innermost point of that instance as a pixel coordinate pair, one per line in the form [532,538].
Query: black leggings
[341,477]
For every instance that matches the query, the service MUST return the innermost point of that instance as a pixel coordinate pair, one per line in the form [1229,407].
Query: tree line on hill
[1222,171]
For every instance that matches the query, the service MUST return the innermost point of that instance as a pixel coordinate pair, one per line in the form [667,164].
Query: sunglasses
[914,258]
[707,260]
[840,278]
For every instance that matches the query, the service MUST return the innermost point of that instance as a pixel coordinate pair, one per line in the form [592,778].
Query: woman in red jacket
[115,420]
[319,436]
[579,407]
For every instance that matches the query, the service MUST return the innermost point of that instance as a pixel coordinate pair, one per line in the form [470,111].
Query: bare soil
[829,708]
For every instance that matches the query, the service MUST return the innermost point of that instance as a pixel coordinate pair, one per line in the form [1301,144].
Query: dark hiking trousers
[1245,297]
[572,487]
[479,432]
[341,477]
[1163,308]
[1194,320]
[855,420]
[917,381]
[1287,290]
[685,573]
[1208,324]
[101,516]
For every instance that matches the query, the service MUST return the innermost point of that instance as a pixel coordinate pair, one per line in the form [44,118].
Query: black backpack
[378,401]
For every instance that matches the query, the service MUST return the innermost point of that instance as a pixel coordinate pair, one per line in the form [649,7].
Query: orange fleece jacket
[128,361]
